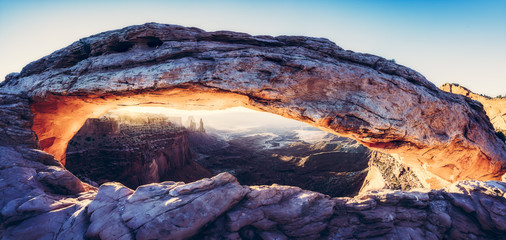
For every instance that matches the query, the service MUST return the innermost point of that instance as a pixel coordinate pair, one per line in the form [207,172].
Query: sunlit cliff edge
[495,107]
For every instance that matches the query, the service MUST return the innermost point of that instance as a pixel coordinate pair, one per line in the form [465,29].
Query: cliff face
[495,107]
[133,154]
[387,172]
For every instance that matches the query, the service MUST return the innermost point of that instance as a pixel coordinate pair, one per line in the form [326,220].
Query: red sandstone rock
[495,107]
[385,106]
[382,104]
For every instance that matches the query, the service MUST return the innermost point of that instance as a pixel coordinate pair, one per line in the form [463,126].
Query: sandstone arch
[384,105]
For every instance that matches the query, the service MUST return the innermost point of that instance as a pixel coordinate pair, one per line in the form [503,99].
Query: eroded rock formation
[387,172]
[134,152]
[383,105]
[220,208]
[495,107]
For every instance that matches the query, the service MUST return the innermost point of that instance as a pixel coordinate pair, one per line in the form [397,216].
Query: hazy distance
[236,118]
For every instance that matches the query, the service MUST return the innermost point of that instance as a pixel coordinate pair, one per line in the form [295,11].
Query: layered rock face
[386,171]
[495,107]
[104,150]
[383,105]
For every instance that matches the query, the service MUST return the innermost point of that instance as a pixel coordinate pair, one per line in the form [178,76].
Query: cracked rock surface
[385,106]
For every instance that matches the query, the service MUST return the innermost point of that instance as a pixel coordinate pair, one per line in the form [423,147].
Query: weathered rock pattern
[382,104]
[280,212]
[104,150]
[387,172]
[385,106]
[495,107]
[219,207]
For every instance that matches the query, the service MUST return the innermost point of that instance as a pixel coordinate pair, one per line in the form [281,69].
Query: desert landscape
[272,120]
[378,151]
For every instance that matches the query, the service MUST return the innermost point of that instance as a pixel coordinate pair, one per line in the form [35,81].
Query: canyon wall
[133,154]
[495,107]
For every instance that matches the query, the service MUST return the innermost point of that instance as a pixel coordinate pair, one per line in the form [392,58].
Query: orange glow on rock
[57,119]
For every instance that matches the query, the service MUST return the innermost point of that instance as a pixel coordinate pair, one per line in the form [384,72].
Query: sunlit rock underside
[442,137]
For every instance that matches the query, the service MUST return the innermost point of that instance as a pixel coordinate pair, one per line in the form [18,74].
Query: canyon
[132,151]
[141,148]
[447,140]
[327,164]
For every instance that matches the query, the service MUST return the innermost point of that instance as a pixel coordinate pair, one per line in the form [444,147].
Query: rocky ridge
[382,104]
[220,208]
[495,107]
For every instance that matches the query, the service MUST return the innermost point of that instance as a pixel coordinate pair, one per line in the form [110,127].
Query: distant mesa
[134,149]
[141,118]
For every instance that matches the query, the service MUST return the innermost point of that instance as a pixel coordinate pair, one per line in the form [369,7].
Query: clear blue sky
[447,41]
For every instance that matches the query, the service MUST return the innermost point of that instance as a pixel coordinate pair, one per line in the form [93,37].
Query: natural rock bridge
[387,107]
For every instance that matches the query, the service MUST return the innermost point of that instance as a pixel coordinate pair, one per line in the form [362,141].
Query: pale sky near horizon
[235,118]
[447,41]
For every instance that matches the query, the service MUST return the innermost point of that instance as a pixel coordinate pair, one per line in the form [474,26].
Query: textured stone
[387,172]
[495,107]
[134,154]
[383,105]
[280,212]
[283,211]
[165,210]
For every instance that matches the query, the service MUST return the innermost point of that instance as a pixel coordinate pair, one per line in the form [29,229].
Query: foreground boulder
[466,210]
[220,207]
[385,106]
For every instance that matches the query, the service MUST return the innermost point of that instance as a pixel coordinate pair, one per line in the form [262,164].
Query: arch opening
[141,145]
[57,119]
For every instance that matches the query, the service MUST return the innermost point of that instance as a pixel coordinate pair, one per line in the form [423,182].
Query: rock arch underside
[447,139]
